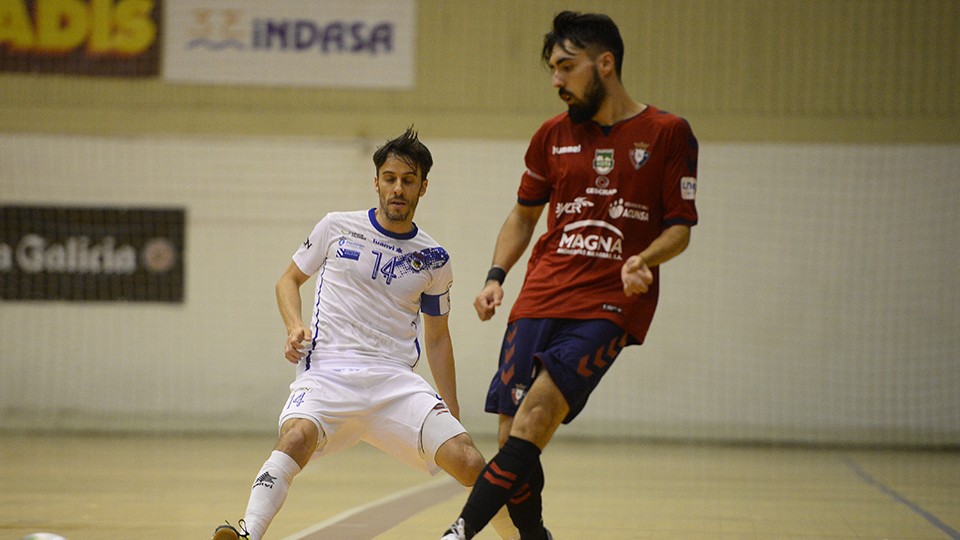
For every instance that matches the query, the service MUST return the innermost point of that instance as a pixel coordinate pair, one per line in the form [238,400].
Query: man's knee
[299,439]
[543,409]
[461,458]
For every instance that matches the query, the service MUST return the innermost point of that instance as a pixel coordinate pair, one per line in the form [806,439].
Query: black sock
[526,506]
[502,477]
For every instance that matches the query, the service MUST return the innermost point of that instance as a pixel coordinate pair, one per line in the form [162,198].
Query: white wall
[818,301]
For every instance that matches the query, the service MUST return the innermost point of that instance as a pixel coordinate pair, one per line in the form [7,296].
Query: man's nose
[557,80]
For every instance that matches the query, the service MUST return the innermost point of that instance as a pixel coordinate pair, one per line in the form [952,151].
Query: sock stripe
[523,493]
[497,481]
[500,472]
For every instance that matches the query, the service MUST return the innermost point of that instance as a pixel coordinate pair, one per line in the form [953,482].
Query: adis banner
[88,37]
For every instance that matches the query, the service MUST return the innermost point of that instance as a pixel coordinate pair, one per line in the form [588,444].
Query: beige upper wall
[847,71]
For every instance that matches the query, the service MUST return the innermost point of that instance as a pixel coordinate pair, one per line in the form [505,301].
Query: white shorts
[384,406]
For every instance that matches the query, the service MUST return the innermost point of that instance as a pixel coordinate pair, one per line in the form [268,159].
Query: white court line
[366,521]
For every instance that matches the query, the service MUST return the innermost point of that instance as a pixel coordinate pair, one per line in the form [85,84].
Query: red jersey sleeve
[535,187]
[680,180]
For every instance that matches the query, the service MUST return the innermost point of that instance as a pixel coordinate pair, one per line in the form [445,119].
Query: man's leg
[540,414]
[461,459]
[526,506]
[297,442]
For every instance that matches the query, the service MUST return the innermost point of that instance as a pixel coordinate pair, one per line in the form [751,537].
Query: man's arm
[289,303]
[439,349]
[515,236]
[636,274]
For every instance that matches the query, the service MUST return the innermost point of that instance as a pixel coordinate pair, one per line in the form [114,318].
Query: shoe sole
[225,534]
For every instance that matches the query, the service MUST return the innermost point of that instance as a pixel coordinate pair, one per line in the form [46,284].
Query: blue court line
[917,509]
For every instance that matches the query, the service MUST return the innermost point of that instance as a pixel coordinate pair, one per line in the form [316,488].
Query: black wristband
[497,274]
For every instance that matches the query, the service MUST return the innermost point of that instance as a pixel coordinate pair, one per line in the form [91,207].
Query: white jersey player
[372,285]
[382,301]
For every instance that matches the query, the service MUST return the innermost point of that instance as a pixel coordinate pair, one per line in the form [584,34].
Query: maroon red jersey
[611,191]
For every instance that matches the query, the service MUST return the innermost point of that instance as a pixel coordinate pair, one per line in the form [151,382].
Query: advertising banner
[331,43]
[86,37]
[102,254]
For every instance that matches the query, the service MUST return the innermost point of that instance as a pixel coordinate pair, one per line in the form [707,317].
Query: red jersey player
[618,179]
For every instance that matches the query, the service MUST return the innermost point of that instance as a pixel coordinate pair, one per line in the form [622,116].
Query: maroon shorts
[576,354]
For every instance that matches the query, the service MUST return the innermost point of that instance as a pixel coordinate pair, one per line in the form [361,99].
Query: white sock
[268,492]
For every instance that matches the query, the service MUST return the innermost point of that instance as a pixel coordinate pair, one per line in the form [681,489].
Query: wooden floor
[144,487]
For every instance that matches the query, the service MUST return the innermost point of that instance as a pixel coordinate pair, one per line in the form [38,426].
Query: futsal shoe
[457,531]
[228,532]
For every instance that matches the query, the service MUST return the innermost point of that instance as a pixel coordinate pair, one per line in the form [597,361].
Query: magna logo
[592,238]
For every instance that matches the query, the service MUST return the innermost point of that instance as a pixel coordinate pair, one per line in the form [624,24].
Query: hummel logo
[307,244]
[266,480]
[566,149]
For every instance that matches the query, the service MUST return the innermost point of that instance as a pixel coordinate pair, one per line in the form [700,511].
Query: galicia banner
[69,253]
[334,43]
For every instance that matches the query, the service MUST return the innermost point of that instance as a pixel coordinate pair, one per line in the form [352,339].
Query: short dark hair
[406,148]
[584,30]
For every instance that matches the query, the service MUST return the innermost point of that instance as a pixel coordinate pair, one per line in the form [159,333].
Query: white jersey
[372,286]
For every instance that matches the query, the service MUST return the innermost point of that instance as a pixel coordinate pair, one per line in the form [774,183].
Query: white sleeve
[312,253]
[435,300]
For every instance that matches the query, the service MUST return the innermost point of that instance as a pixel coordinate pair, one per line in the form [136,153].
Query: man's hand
[488,300]
[636,276]
[295,349]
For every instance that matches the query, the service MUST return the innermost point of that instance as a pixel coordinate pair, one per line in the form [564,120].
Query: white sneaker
[456,531]
[229,532]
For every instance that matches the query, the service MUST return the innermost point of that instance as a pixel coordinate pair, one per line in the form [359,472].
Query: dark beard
[398,216]
[588,108]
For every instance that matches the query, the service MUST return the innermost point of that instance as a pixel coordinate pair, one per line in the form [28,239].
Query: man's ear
[606,64]
[423,187]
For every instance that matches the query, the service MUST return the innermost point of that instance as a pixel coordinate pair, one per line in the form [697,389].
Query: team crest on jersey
[416,261]
[603,161]
[639,155]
